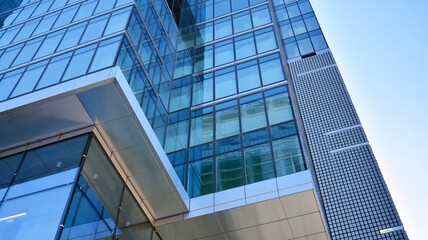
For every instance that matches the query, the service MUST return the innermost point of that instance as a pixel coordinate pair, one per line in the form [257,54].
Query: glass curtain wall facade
[215,80]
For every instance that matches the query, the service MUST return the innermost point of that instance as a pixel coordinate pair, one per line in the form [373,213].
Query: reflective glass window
[205,33]
[176,136]
[288,156]
[293,10]
[239,4]
[94,29]
[245,46]
[79,63]
[203,89]
[281,13]
[279,108]
[66,16]
[228,144]
[28,51]
[42,7]
[72,36]
[224,53]
[287,31]
[50,44]
[248,76]
[106,53]
[229,171]
[201,130]
[54,71]
[305,7]
[242,22]
[104,5]
[298,27]
[201,177]
[311,23]
[227,122]
[225,83]
[8,167]
[9,35]
[26,30]
[261,16]
[283,130]
[253,114]
[305,46]
[221,7]
[8,82]
[223,28]
[180,94]
[258,163]
[204,58]
[118,21]
[205,10]
[46,23]
[26,12]
[255,137]
[319,42]
[271,69]
[9,55]
[29,78]
[86,9]
[265,40]
[292,50]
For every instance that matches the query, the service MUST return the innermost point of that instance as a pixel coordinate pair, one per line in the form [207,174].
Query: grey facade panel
[357,202]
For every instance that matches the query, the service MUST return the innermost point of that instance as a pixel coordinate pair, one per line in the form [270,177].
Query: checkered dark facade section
[356,199]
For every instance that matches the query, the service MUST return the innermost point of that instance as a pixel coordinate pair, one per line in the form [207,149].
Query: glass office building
[178,120]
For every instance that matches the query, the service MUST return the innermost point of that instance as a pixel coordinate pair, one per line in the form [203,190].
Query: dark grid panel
[356,199]
[346,138]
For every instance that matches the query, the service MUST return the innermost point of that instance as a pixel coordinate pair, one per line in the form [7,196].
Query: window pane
[229,171]
[49,44]
[46,23]
[72,36]
[201,177]
[241,21]
[105,54]
[28,51]
[223,28]
[305,7]
[271,70]
[221,7]
[319,42]
[29,79]
[176,136]
[245,46]
[248,76]
[239,4]
[286,31]
[293,11]
[225,84]
[94,29]
[54,71]
[8,82]
[118,21]
[66,16]
[279,108]
[9,55]
[261,16]
[227,122]
[201,130]
[253,115]
[311,23]
[204,58]
[305,46]
[79,63]
[292,50]
[85,10]
[298,27]
[265,41]
[288,156]
[258,163]
[203,90]
[205,34]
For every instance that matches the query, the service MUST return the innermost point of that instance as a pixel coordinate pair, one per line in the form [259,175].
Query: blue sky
[381,48]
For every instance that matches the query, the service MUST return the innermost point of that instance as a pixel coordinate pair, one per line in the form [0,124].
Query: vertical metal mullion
[71,195]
